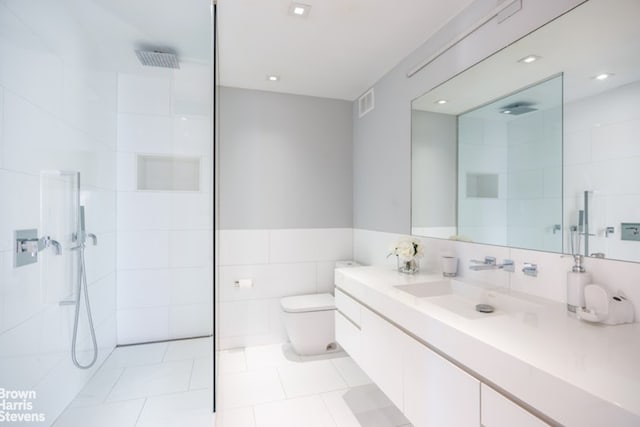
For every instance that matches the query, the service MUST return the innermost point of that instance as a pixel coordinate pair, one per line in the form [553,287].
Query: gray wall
[286,161]
[382,138]
[433,167]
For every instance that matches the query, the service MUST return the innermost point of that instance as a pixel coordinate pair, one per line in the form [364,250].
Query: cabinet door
[381,356]
[498,411]
[436,392]
[348,336]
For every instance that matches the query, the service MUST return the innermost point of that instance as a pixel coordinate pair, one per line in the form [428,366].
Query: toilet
[309,322]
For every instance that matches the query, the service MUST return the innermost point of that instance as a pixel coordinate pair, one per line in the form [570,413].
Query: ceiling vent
[366,103]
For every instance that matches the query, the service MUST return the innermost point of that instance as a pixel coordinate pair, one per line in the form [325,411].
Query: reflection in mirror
[595,47]
[510,169]
[433,171]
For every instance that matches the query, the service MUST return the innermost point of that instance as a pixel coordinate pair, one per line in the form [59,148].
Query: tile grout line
[193,367]
[326,407]
[141,410]
[253,415]
[284,391]
[166,350]
[106,399]
[339,373]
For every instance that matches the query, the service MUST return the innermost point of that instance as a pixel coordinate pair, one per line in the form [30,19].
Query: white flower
[408,248]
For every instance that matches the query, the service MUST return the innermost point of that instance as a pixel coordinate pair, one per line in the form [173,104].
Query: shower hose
[82,286]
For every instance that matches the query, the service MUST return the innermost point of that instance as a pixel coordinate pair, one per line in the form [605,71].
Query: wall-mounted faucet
[27,246]
[489,263]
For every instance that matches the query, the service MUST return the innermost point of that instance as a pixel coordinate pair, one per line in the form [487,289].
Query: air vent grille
[366,103]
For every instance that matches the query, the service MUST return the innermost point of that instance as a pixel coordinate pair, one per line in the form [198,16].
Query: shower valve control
[27,246]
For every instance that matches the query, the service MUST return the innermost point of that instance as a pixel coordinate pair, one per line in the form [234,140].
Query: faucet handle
[530,269]
[508,265]
[47,242]
[94,239]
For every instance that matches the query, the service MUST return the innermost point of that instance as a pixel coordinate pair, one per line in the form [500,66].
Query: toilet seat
[308,303]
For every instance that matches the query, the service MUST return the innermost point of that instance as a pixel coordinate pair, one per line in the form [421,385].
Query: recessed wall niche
[482,185]
[168,173]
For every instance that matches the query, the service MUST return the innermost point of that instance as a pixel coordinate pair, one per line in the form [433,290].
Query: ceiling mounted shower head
[158,58]
[518,108]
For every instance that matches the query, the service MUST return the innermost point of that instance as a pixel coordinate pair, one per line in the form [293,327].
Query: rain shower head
[157,58]
[518,108]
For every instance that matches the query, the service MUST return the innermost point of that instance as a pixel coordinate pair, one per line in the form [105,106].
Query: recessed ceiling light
[506,111]
[273,78]
[529,59]
[441,101]
[299,10]
[603,76]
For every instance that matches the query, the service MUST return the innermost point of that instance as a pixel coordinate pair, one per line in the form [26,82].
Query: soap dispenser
[577,279]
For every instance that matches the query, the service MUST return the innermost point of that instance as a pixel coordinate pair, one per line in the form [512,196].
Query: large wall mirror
[538,146]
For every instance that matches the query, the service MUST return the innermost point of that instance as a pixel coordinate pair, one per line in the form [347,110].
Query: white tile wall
[309,245]
[602,154]
[165,247]
[57,112]
[370,248]
[143,324]
[280,263]
[191,91]
[145,133]
[145,93]
[244,247]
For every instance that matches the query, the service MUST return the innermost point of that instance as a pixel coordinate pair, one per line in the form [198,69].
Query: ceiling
[340,50]
[593,38]
[121,26]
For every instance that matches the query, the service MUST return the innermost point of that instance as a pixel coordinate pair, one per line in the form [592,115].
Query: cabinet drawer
[348,335]
[349,307]
[498,411]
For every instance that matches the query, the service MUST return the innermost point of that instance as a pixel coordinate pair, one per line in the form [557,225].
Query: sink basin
[462,298]
[425,290]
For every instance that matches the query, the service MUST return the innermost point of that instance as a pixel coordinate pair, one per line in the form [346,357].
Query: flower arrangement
[407,251]
[407,248]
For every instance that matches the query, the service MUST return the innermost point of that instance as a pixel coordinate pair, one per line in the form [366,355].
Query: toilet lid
[306,303]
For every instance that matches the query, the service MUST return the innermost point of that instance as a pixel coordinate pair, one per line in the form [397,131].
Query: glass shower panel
[510,169]
[58,102]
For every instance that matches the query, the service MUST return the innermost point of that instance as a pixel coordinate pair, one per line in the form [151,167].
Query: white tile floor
[270,386]
[169,384]
[161,384]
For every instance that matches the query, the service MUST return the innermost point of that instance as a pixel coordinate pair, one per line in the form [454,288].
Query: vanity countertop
[575,372]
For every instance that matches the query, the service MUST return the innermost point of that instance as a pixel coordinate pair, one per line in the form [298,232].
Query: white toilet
[309,322]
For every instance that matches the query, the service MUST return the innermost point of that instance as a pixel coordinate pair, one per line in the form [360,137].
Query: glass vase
[408,266]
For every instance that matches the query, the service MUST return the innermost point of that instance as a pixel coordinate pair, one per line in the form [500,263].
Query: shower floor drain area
[485,308]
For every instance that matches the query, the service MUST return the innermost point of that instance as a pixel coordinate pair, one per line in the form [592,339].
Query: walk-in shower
[78,114]
[63,216]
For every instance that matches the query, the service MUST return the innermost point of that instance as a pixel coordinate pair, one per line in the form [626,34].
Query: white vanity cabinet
[498,411]
[428,389]
[436,392]
[374,344]
[382,358]
[347,324]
